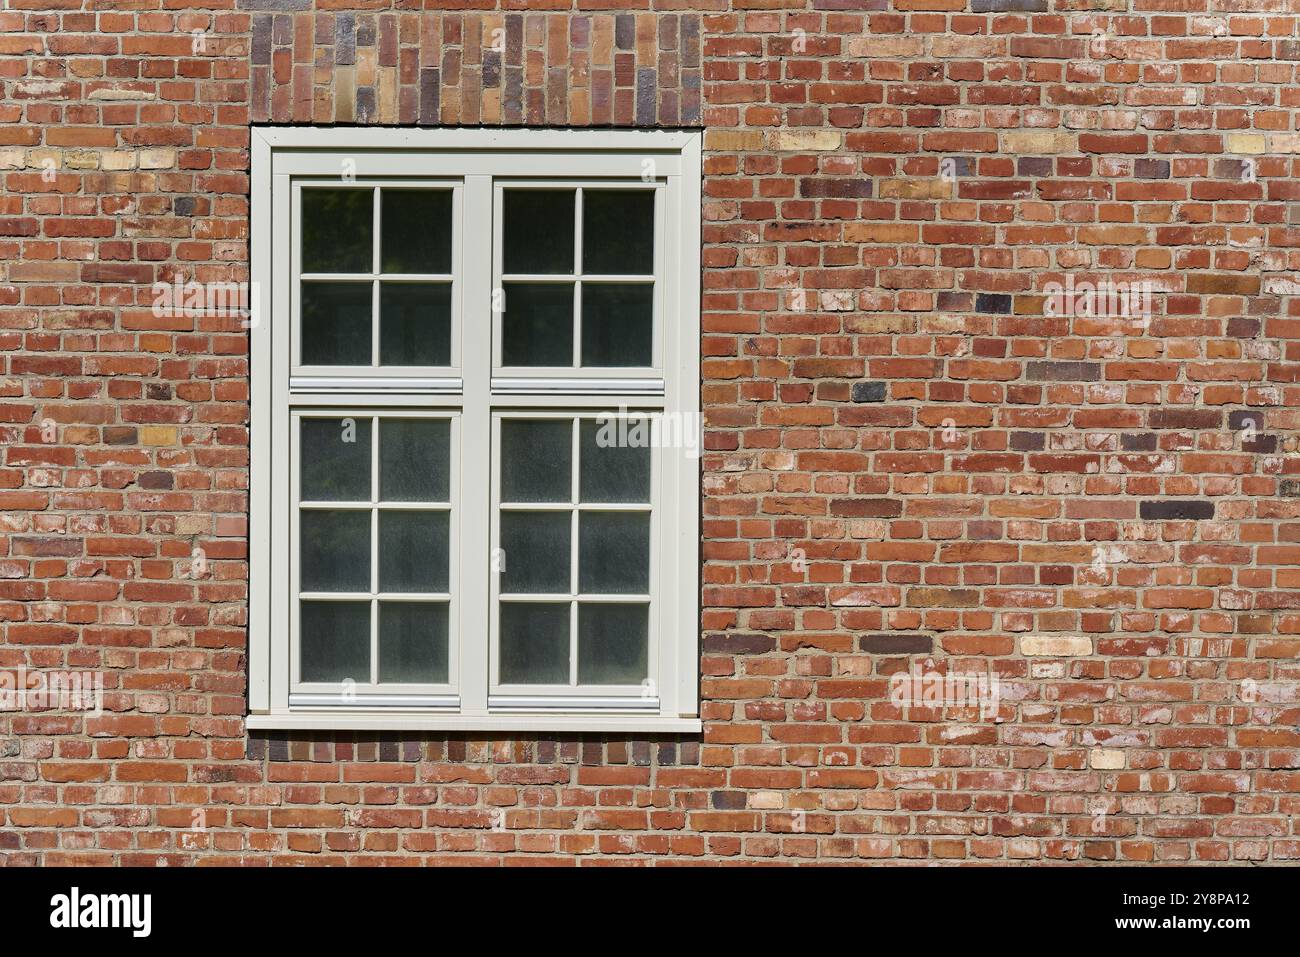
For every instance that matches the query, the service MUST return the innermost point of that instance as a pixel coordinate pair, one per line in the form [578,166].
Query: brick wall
[916,458]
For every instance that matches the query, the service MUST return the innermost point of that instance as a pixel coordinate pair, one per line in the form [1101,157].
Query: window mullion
[476,437]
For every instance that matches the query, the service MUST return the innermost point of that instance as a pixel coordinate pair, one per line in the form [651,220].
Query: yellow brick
[1037,143]
[119,159]
[1055,647]
[1106,759]
[803,140]
[1282,143]
[11,159]
[1246,142]
[157,159]
[882,47]
[733,141]
[81,159]
[43,158]
[916,189]
[158,435]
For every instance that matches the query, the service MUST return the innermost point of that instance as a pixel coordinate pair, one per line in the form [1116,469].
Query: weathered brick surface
[912,462]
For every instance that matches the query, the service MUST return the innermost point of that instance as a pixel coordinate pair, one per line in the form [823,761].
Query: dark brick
[1138,442]
[491,69]
[869,391]
[729,800]
[1186,419]
[646,80]
[345,50]
[278,6]
[835,188]
[1027,441]
[1289,488]
[896,644]
[156,480]
[1263,444]
[866,507]
[119,435]
[993,303]
[1192,509]
[1044,371]
[1243,327]
[1239,418]
[959,165]
[1034,166]
[1008,6]
[1151,169]
[738,643]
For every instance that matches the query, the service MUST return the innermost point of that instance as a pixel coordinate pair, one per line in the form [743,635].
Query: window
[475,432]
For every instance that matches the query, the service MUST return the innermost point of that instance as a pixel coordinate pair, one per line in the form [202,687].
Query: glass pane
[537,231]
[536,460]
[613,644]
[338,230]
[335,460]
[614,460]
[413,642]
[414,460]
[536,547]
[335,550]
[416,230]
[617,324]
[336,323]
[537,324]
[534,643]
[618,231]
[334,641]
[614,553]
[413,550]
[414,324]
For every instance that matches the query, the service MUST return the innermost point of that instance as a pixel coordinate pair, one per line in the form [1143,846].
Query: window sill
[516,723]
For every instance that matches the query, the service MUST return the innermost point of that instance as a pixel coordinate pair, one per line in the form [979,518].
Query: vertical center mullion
[374,550]
[574,588]
[577,273]
[374,278]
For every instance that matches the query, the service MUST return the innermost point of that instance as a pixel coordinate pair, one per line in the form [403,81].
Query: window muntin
[474,393]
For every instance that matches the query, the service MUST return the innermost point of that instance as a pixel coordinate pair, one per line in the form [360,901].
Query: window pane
[338,230]
[414,324]
[537,325]
[534,643]
[614,553]
[416,230]
[335,641]
[335,550]
[413,642]
[414,460]
[613,643]
[617,324]
[536,547]
[618,231]
[536,460]
[537,231]
[336,323]
[614,460]
[413,549]
[335,460]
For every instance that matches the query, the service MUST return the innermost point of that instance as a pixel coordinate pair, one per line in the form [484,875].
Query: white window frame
[475,394]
